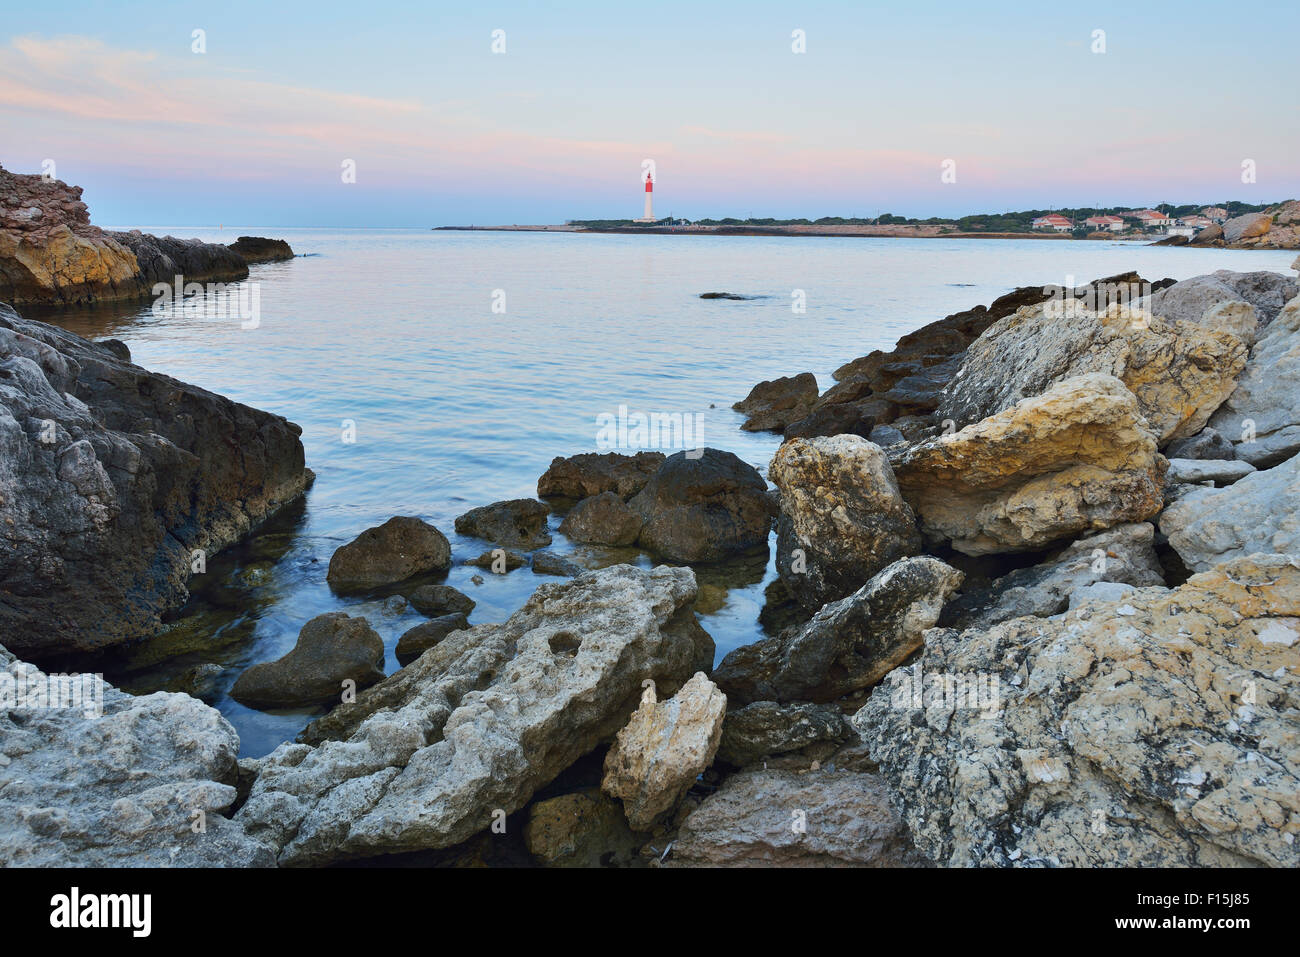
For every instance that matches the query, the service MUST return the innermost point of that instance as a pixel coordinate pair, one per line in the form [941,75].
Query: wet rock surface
[399,549]
[332,650]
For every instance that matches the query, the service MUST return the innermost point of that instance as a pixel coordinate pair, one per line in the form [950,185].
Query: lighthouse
[649,216]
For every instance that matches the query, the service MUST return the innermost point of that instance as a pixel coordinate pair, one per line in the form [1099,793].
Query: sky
[1015,100]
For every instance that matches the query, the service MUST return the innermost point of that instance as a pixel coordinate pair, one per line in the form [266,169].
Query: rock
[1099,591]
[603,519]
[1247,226]
[1205,444]
[200,681]
[255,249]
[1179,372]
[774,404]
[548,563]
[1236,316]
[1159,732]
[399,549]
[764,728]
[662,750]
[332,649]
[1208,235]
[116,780]
[1192,299]
[850,644]
[922,391]
[884,435]
[1123,554]
[1256,514]
[114,483]
[438,600]
[588,474]
[425,635]
[162,258]
[774,818]
[582,829]
[1296,265]
[480,721]
[519,523]
[1266,402]
[1077,458]
[841,507]
[703,509]
[1207,470]
[724,295]
[844,419]
[499,560]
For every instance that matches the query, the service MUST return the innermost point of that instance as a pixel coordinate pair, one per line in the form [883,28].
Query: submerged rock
[603,519]
[479,722]
[546,562]
[774,404]
[399,549]
[117,484]
[518,523]
[332,649]
[1156,732]
[499,560]
[591,473]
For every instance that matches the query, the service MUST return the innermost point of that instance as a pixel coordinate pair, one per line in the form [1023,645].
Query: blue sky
[442,130]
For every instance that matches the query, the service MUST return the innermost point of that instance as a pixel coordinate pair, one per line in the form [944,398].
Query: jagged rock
[332,649]
[255,249]
[480,721]
[416,641]
[1099,591]
[1247,226]
[841,507]
[1077,458]
[778,818]
[773,404]
[402,547]
[663,748]
[118,781]
[849,644]
[499,560]
[438,600]
[703,508]
[884,435]
[582,829]
[115,484]
[1205,444]
[162,258]
[603,519]
[1192,299]
[1156,732]
[1262,416]
[548,563]
[764,728]
[1179,372]
[1183,471]
[1236,316]
[588,474]
[1257,513]
[843,419]
[518,523]
[1123,554]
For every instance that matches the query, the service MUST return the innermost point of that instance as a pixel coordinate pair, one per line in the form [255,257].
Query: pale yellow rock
[1237,316]
[1078,458]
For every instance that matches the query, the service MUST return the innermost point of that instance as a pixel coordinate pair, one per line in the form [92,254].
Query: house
[1053,221]
[1109,223]
[1150,219]
[1196,222]
[1216,214]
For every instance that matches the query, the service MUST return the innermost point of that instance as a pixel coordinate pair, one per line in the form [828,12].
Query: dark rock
[581,829]
[1206,444]
[588,474]
[331,649]
[163,258]
[603,519]
[703,508]
[255,249]
[765,728]
[884,435]
[1208,235]
[724,295]
[837,419]
[425,635]
[499,560]
[438,600]
[518,523]
[921,391]
[393,552]
[548,563]
[773,404]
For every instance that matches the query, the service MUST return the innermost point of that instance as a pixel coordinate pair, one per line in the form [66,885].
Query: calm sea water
[456,405]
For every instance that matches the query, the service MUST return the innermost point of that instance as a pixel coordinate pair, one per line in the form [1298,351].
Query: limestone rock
[1078,458]
[588,474]
[663,748]
[1256,514]
[850,644]
[121,786]
[519,523]
[331,649]
[1266,402]
[1247,226]
[1156,732]
[840,506]
[1236,316]
[764,728]
[773,404]
[402,547]
[602,519]
[416,641]
[1205,444]
[480,721]
[582,829]
[1220,471]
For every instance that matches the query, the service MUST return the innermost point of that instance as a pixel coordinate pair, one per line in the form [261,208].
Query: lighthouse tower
[649,216]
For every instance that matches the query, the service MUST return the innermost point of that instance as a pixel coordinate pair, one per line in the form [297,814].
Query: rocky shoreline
[1037,604]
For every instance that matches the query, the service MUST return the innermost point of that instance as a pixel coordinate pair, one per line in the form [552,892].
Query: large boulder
[1191,299]
[1258,513]
[848,645]
[518,523]
[1247,226]
[116,484]
[256,249]
[779,818]
[426,758]
[603,519]
[663,748]
[404,546]
[332,650]
[1262,416]
[842,511]
[772,405]
[590,473]
[703,507]
[115,780]
[1156,731]
[1179,372]
[1078,458]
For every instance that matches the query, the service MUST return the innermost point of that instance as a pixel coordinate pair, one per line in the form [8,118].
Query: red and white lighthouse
[649,216]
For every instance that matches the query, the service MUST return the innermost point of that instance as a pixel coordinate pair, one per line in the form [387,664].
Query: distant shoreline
[862,232]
